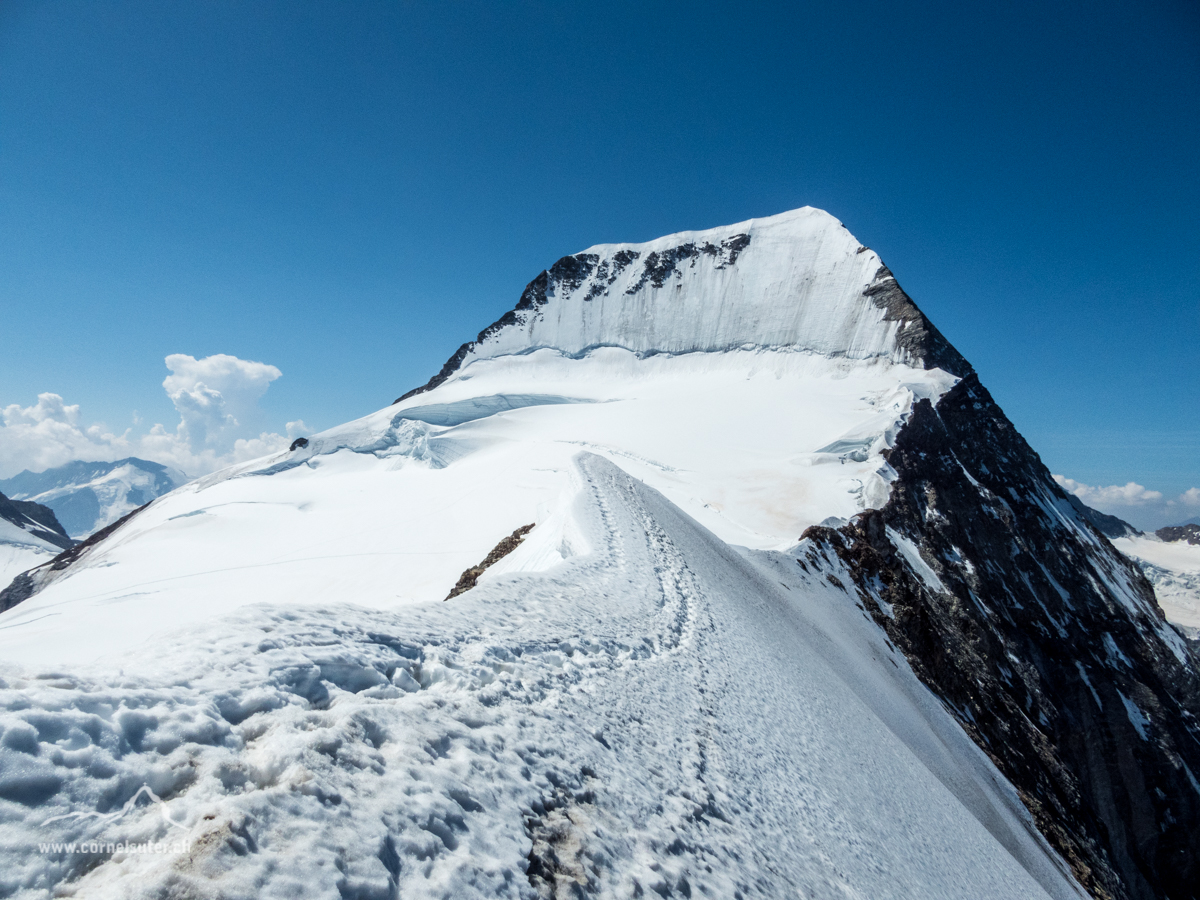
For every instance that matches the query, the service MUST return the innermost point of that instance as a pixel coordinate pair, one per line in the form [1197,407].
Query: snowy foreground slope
[663,688]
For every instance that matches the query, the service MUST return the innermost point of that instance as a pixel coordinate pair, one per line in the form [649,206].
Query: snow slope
[391,509]
[648,694]
[796,283]
[798,280]
[20,551]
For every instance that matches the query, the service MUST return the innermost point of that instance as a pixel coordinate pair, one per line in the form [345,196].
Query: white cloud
[48,434]
[220,423]
[1145,508]
[297,429]
[1131,494]
[217,398]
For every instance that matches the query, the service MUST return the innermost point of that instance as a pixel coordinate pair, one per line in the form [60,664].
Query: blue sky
[346,192]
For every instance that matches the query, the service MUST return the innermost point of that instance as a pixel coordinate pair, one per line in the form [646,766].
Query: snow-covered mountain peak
[798,281]
[88,496]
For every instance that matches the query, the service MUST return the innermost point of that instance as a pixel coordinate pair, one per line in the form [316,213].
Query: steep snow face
[798,280]
[87,496]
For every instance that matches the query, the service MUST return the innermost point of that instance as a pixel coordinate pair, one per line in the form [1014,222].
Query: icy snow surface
[391,509]
[649,694]
[1173,567]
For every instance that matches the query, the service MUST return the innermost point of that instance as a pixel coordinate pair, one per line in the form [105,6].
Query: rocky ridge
[1044,642]
[35,520]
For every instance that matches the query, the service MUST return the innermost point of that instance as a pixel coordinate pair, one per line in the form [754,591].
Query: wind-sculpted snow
[460,411]
[406,434]
[656,713]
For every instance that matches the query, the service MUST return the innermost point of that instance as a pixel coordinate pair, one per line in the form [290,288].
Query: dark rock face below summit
[917,335]
[1042,639]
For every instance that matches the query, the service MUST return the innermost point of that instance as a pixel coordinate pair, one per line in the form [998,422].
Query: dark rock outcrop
[36,520]
[1189,533]
[467,579]
[917,335]
[1042,639]
[1109,526]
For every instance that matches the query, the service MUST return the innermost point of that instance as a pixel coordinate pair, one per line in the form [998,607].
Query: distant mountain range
[87,496]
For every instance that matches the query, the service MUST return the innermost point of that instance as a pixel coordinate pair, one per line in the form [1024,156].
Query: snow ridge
[607,726]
